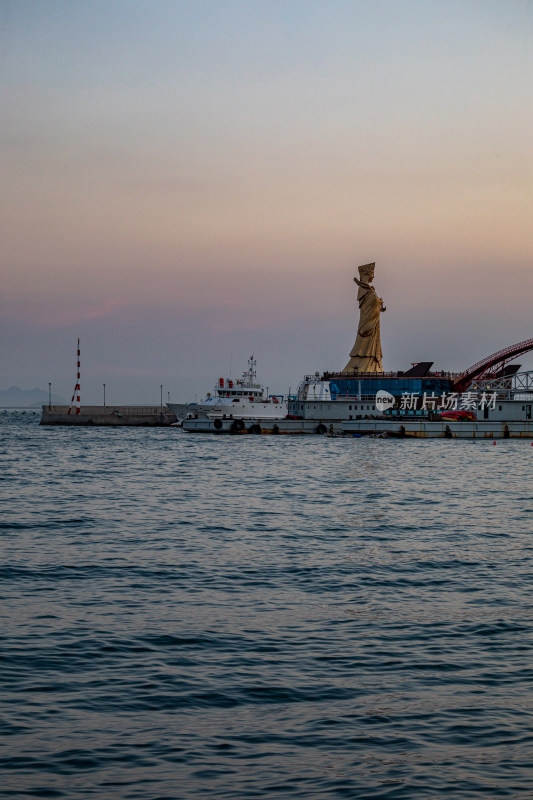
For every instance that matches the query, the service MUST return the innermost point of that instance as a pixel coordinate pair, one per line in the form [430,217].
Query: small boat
[243,398]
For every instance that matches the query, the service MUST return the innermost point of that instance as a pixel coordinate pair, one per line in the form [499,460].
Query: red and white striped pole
[77,390]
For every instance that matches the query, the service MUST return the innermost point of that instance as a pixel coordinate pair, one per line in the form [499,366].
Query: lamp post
[49,395]
[161,387]
[104,394]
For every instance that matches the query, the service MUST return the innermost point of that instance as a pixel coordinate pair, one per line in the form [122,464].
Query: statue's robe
[366,354]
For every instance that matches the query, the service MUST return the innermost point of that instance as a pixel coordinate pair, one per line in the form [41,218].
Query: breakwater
[152,416]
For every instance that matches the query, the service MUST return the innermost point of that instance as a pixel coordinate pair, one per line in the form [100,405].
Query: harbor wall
[143,416]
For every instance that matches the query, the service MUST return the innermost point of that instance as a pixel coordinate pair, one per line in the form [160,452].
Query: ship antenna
[77,390]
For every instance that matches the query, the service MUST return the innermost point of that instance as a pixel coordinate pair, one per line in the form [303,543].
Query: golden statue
[366,354]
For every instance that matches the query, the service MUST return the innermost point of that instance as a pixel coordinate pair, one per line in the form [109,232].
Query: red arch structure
[485,368]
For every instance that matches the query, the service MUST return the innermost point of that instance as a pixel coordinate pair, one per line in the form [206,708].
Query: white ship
[242,398]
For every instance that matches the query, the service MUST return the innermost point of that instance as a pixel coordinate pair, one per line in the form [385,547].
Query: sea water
[194,616]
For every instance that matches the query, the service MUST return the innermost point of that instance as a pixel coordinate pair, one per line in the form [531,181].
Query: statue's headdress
[366,269]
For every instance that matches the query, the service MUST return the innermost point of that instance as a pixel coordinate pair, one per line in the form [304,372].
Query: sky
[188,182]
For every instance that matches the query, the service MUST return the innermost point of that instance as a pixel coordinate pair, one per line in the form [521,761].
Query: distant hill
[27,398]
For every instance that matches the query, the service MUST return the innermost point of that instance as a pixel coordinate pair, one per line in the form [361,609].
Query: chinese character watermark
[449,401]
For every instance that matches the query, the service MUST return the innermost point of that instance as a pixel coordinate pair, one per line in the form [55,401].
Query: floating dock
[238,426]
[393,428]
[432,429]
[140,416]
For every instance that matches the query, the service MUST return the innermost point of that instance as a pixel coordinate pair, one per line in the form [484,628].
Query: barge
[491,399]
[489,409]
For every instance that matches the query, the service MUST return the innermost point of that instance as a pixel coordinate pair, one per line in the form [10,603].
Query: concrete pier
[145,416]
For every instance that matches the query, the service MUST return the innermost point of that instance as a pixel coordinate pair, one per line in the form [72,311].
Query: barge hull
[431,429]
[400,429]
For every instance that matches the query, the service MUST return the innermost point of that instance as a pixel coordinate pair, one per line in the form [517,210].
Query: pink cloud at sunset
[76,315]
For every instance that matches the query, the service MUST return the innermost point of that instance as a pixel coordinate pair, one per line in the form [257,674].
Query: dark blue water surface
[187,616]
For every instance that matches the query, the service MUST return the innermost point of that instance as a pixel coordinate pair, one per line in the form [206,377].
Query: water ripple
[262,617]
